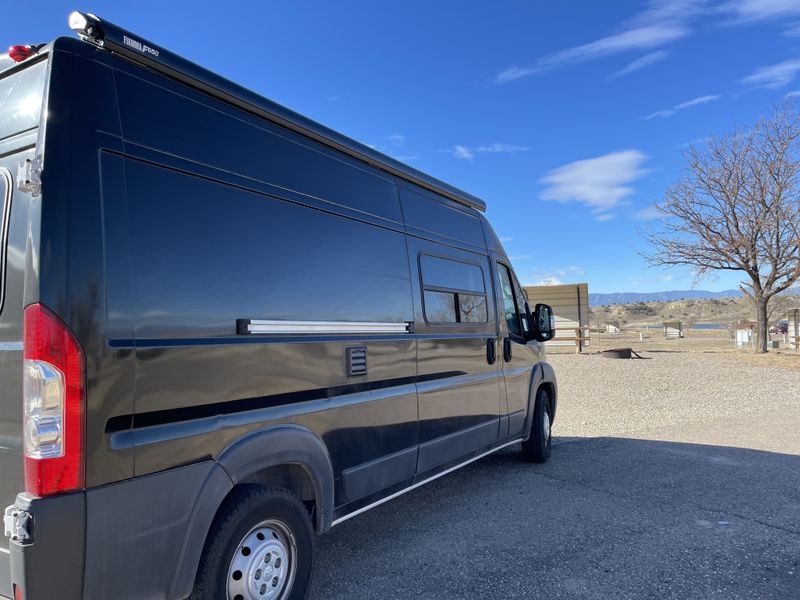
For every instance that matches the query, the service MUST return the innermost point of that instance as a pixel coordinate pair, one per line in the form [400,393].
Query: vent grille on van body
[356,361]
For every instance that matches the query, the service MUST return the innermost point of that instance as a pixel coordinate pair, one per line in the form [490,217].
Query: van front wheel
[260,547]
[537,447]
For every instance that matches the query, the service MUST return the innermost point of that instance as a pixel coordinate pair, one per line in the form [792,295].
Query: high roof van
[225,329]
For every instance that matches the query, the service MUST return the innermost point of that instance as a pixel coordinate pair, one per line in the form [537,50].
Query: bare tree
[737,208]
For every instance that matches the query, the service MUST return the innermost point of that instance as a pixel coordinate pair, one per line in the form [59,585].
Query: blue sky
[569,118]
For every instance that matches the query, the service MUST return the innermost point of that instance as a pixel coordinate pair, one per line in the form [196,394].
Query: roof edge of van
[107,35]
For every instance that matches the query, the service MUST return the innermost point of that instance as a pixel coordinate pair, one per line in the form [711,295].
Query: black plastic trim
[57,554]
[379,474]
[542,373]
[189,413]
[282,445]
[455,445]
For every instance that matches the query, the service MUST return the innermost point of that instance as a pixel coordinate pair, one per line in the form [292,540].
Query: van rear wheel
[537,447]
[260,547]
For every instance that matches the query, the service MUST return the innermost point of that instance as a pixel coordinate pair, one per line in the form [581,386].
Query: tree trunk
[762,329]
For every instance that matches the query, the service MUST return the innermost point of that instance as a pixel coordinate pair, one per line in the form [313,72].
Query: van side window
[509,299]
[5,217]
[522,303]
[453,291]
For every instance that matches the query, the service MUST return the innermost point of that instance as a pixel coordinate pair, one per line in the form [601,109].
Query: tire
[258,524]
[536,448]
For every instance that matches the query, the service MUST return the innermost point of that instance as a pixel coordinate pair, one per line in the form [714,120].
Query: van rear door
[21,93]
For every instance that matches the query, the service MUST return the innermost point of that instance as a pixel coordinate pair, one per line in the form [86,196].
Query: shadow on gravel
[605,518]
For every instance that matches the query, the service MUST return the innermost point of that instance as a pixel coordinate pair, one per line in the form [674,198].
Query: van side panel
[205,254]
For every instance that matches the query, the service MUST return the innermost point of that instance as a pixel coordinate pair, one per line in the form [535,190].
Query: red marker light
[19,53]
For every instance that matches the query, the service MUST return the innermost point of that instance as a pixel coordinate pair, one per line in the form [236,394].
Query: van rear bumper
[140,538]
[50,564]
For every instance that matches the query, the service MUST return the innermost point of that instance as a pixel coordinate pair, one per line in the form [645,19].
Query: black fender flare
[285,445]
[542,373]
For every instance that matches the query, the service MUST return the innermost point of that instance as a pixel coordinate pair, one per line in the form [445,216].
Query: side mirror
[544,323]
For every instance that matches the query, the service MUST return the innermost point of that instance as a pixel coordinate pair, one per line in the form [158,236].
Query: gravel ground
[674,477]
[670,395]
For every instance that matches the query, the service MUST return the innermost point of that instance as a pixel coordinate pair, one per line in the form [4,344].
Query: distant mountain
[627,297]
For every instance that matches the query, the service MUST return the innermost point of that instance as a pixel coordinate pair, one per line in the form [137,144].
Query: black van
[225,328]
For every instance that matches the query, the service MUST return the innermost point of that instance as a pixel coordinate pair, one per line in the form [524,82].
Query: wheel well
[550,390]
[292,477]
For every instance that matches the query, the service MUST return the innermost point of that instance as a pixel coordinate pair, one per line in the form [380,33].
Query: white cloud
[641,38]
[600,183]
[793,94]
[468,153]
[398,139]
[792,31]
[506,239]
[462,152]
[642,62]
[514,73]
[663,114]
[647,213]
[698,101]
[546,281]
[698,141]
[661,23]
[761,10]
[774,76]
[502,148]
[556,276]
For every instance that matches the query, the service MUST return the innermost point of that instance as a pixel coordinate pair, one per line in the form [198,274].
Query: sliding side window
[453,291]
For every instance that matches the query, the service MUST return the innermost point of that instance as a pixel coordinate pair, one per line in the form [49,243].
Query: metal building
[570,304]
[673,329]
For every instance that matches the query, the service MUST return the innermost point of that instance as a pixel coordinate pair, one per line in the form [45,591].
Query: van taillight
[53,399]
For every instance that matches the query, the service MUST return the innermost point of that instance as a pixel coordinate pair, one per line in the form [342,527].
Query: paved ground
[659,487]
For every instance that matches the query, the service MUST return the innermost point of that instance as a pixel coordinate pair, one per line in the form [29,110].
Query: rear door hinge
[16,523]
[29,176]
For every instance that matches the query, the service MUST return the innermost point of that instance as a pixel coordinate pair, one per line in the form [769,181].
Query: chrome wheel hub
[546,426]
[264,565]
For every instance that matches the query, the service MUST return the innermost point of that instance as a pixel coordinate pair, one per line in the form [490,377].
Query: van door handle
[507,349]
[491,353]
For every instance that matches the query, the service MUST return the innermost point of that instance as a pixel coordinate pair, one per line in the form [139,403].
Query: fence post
[578,340]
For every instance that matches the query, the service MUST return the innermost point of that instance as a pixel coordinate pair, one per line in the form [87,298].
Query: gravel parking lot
[673,477]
